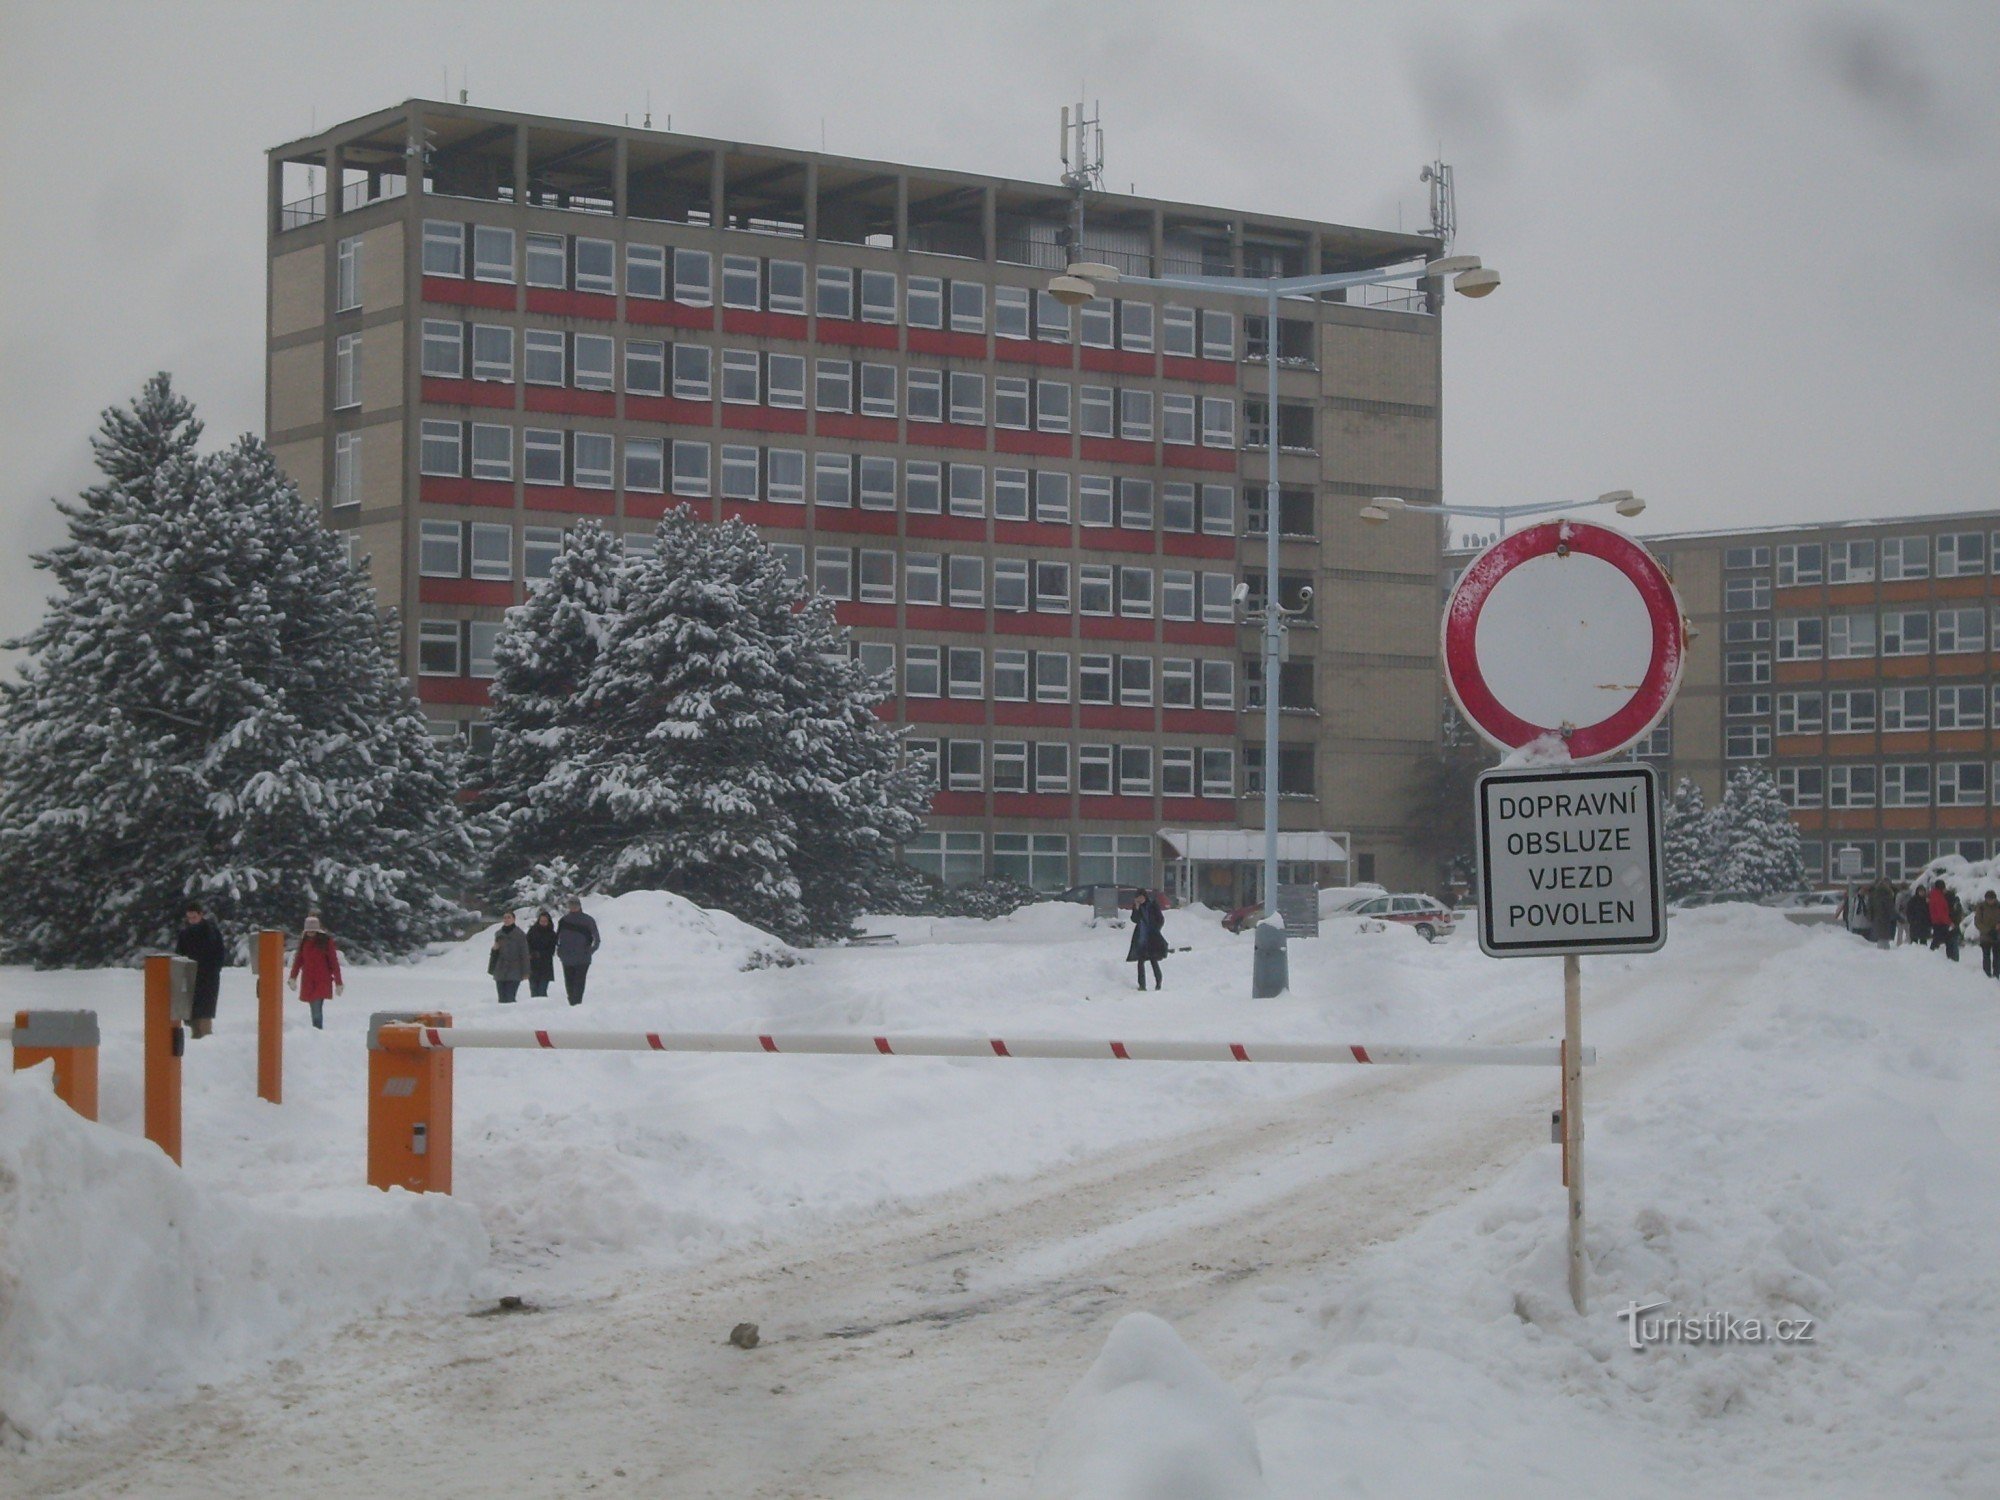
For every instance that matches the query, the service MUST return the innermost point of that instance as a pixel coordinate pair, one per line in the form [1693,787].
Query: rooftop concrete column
[812,199]
[989,222]
[413,152]
[621,161]
[1158,247]
[520,165]
[718,189]
[902,211]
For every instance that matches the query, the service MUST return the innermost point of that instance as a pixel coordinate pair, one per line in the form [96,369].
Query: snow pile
[1149,1422]
[119,1276]
[654,932]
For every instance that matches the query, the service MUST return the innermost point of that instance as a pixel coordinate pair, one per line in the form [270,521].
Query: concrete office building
[1033,518]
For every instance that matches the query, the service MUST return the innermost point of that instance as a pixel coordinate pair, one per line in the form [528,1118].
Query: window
[1747,557]
[1093,680]
[548,261]
[1218,684]
[590,466]
[1052,677]
[1851,786]
[1218,509]
[920,671]
[1135,770]
[1801,638]
[739,472]
[347,469]
[965,672]
[645,465]
[444,350]
[1747,705]
[1094,411]
[1010,401]
[1094,500]
[923,487]
[1961,554]
[440,449]
[924,302]
[1051,319]
[542,356]
[1135,415]
[645,271]
[968,399]
[833,385]
[925,395]
[1218,334]
[492,253]
[785,381]
[785,476]
[1010,676]
[878,482]
[1218,773]
[1177,418]
[540,546]
[1906,632]
[1961,783]
[878,391]
[1657,743]
[877,577]
[1135,504]
[1850,634]
[967,577]
[1740,667]
[347,371]
[1094,323]
[1052,588]
[1905,557]
[833,480]
[693,284]
[1052,405]
[1961,630]
[833,572]
[1010,312]
[1010,584]
[968,490]
[444,249]
[1802,786]
[542,455]
[878,297]
[492,451]
[440,549]
[878,662]
[1747,593]
[1218,422]
[1906,784]
[1801,713]
[1093,771]
[1850,562]
[1010,494]
[968,307]
[739,377]
[691,472]
[1052,497]
[1177,682]
[1906,708]
[347,275]
[792,558]
[1961,707]
[1903,858]
[965,765]
[1177,594]
[923,576]
[1135,326]
[1093,589]
[1802,563]
[438,648]
[926,758]
[691,373]
[1135,681]
[1746,632]
[596,360]
[645,367]
[1177,332]
[1218,598]
[492,551]
[1746,741]
[640,544]
[785,287]
[1010,774]
[833,292]
[1851,711]
[742,282]
[1052,766]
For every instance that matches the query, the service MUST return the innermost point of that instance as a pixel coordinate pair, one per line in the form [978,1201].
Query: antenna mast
[1083,166]
[1444,201]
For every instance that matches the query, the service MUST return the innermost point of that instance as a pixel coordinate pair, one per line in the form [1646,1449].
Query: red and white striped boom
[406,1038]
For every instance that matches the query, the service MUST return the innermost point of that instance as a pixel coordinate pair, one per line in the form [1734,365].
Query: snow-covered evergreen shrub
[1687,837]
[212,709]
[1757,839]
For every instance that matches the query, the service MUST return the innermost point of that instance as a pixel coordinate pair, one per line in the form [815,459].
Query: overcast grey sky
[1751,252]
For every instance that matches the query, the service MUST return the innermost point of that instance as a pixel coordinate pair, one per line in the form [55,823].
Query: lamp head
[1626,503]
[1071,291]
[1478,282]
[1091,270]
[1374,514]
[1451,265]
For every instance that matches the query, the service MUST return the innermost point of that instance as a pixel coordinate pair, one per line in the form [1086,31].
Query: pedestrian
[577,942]
[1881,909]
[201,940]
[1986,922]
[316,970]
[1917,914]
[541,954]
[508,960]
[1954,932]
[1940,915]
[1149,938]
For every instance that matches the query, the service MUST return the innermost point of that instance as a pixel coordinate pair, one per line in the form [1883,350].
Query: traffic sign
[1569,861]
[1564,629]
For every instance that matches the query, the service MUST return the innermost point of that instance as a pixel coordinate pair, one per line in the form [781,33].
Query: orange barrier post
[409,1104]
[169,999]
[69,1038]
[268,961]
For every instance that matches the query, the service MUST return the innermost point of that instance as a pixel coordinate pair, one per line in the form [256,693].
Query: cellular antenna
[1444,201]
[1083,166]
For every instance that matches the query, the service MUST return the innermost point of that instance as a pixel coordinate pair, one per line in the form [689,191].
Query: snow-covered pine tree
[1760,854]
[211,709]
[1687,839]
[721,746]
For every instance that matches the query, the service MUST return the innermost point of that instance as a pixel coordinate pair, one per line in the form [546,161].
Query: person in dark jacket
[1917,915]
[201,940]
[1986,922]
[508,961]
[1149,938]
[541,954]
[577,943]
[1954,932]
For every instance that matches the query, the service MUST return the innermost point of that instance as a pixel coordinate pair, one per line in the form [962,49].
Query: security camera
[1240,592]
[1305,594]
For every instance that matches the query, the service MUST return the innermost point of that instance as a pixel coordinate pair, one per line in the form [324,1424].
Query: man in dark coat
[541,955]
[201,940]
[1149,938]
[508,960]
[1917,914]
[577,943]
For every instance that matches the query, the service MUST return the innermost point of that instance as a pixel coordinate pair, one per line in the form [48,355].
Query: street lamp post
[1077,285]
[1379,509]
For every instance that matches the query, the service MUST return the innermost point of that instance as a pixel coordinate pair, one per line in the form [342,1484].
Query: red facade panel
[835,424]
[1028,352]
[1096,717]
[667,409]
[942,617]
[567,497]
[1120,362]
[858,335]
[959,804]
[433,490]
[1182,544]
[945,710]
[1125,809]
[668,314]
[946,435]
[1115,539]
[1208,371]
[1013,623]
[651,507]
[952,345]
[1116,451]
[470,293]
[496,393]
[1197,721]
[948,528]
[560,304]
[1033,715]
[1041,444]
[464,591]
[765,513]
[875,616]
[470,690]
[1032,534]
[1190,633]
[763,419]
[871,522]
[551,398]
[1099,628]
[1197,809]
[1043,805]
[1209,460]
[763,325]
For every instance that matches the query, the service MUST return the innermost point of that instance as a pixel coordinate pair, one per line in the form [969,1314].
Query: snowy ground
[1783,1122]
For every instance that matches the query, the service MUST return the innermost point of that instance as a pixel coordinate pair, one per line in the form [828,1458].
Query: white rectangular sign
[1569,861]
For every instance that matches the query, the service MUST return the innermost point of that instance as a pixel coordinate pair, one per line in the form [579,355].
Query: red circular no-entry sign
[1564,629]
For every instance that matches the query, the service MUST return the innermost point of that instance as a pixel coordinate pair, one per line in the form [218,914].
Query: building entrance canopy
[1226,844]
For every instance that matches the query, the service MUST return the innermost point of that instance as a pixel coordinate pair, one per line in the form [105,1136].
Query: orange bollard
[69,1037]
[169,998]
[268,959]
[409,1105]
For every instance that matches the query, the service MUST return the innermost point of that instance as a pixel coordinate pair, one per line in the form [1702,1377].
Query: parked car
[1430,916]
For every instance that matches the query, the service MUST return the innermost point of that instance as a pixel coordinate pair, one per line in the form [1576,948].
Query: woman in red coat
[316,969]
